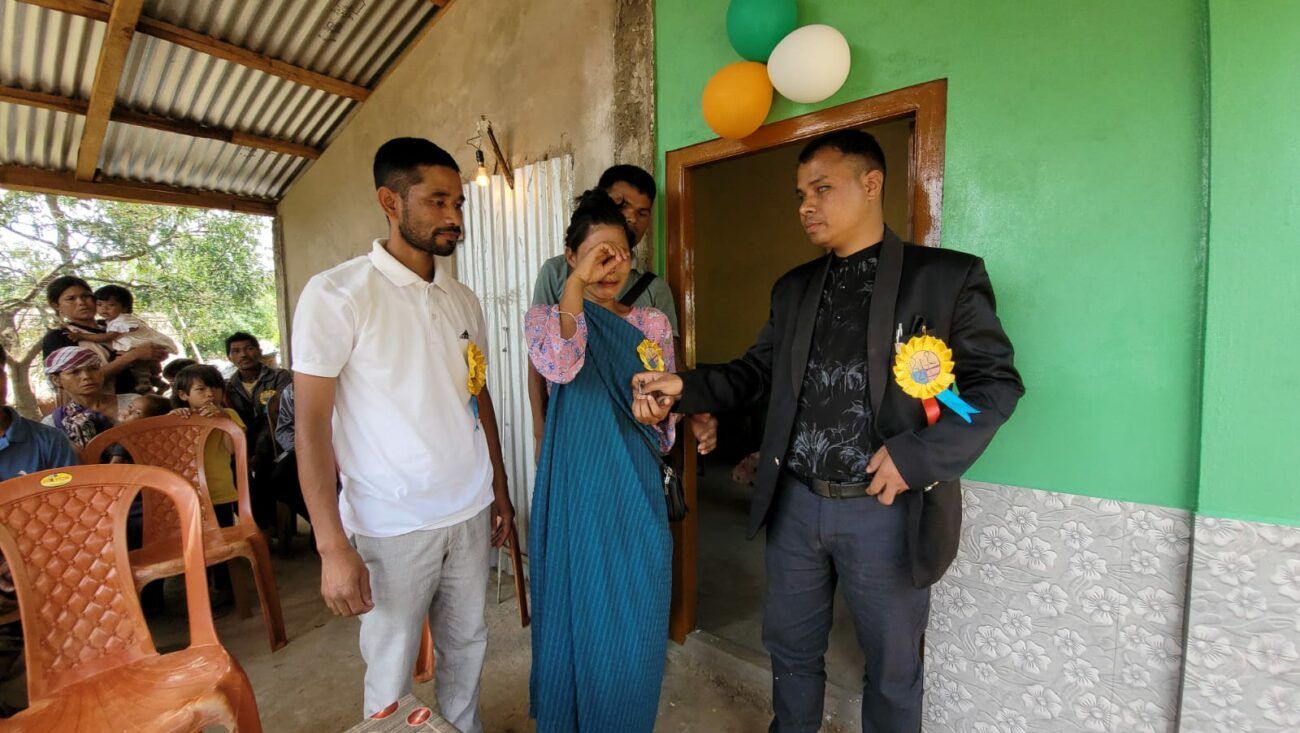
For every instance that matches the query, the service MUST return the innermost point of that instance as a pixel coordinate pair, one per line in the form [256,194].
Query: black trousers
[814,545]
[284,480]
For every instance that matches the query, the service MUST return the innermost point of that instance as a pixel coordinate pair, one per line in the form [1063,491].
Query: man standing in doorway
[633,189]
[858,484]
[250,389]
[382,345]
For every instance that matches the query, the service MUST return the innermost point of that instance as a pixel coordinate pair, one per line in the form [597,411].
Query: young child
[146,405]
[126,331]
[199,390]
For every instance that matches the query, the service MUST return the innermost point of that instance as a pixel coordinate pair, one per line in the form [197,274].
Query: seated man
[26,446]
[284,477]
[249,390]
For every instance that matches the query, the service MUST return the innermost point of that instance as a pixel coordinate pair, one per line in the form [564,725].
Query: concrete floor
[314,683]
[731,580]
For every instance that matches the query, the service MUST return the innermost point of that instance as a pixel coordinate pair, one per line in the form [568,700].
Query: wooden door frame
[926,104]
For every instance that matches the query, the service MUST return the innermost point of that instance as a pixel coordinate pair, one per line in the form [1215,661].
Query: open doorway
[747,234]
[733,229]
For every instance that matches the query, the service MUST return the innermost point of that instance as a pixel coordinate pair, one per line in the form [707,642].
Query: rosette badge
[923,368]
[652,357]
[477,363]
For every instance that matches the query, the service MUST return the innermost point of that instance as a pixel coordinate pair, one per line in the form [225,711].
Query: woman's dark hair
[118,293]
[55,289]
[174,367]
[193,375]
[594,208]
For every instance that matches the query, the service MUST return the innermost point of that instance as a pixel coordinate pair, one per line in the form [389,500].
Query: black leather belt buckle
[837,491]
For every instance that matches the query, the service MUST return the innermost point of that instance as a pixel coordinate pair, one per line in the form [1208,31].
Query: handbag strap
[637,288]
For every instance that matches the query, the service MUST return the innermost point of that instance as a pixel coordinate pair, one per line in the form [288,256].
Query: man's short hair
[118,293]
[633,176]
[239,336]
[850,143]
[397,162]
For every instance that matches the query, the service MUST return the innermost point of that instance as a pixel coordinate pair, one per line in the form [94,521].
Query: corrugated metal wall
[508,234]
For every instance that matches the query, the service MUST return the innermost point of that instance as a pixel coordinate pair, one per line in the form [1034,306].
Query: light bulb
[480,175]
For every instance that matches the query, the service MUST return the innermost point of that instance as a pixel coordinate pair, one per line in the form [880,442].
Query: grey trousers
[441,574]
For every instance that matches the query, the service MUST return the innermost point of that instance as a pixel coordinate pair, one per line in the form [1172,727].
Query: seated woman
[600,549]
[74,301]
[86,409]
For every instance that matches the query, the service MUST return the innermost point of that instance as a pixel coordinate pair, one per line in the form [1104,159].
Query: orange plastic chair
[91,662]
[424,661]
[176,443]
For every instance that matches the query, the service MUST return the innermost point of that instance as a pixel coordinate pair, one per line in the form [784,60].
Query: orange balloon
[737,99]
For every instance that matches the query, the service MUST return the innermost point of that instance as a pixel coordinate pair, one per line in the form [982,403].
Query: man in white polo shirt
[381,345]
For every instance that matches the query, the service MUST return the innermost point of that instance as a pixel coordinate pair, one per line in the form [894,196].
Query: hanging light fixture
[481,174]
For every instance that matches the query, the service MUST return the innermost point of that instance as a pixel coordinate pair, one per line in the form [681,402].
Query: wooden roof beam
[213,47]
[108,72]
[155,122]
[22,178]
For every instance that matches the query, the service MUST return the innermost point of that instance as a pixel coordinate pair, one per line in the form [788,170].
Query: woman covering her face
[599,545]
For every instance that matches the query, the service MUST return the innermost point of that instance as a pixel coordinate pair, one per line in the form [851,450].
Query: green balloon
[756,26]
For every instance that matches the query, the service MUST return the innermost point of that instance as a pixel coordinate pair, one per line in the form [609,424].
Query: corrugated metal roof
[54,52]
[136,154]
[39,137]
[48,51]
[352,40]
[180,83]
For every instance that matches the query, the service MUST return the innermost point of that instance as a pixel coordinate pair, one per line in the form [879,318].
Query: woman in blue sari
[599,547]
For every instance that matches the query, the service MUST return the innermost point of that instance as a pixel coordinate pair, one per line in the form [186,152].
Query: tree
[204,270]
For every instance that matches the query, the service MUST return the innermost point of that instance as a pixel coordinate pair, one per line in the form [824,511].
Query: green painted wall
[1251,440]
[1074,167]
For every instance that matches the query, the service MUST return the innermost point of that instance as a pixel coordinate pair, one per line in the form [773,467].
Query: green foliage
[206,271]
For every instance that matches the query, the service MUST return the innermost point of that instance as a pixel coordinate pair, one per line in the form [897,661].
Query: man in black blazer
[857,486]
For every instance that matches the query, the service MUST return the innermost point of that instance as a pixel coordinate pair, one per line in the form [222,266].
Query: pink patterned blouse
[559,359]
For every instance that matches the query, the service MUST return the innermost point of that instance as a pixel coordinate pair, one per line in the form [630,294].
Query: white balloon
[810,64]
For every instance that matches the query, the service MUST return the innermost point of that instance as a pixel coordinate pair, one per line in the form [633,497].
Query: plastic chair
[176,443]
[424,662]
[91,662]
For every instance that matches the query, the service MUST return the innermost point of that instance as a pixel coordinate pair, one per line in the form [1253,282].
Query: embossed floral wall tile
[1243,660]
[1061,613]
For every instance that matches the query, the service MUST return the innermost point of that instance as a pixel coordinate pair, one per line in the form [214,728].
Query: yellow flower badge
[477,363]
[923,368]
[652,357]
[477,368]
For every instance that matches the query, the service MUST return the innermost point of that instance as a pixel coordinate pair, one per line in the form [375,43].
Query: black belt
[831,490]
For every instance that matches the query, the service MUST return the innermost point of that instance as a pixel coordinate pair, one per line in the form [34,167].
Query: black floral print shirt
[832,437]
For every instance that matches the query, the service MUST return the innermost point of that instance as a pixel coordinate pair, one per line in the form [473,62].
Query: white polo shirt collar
[402,276]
